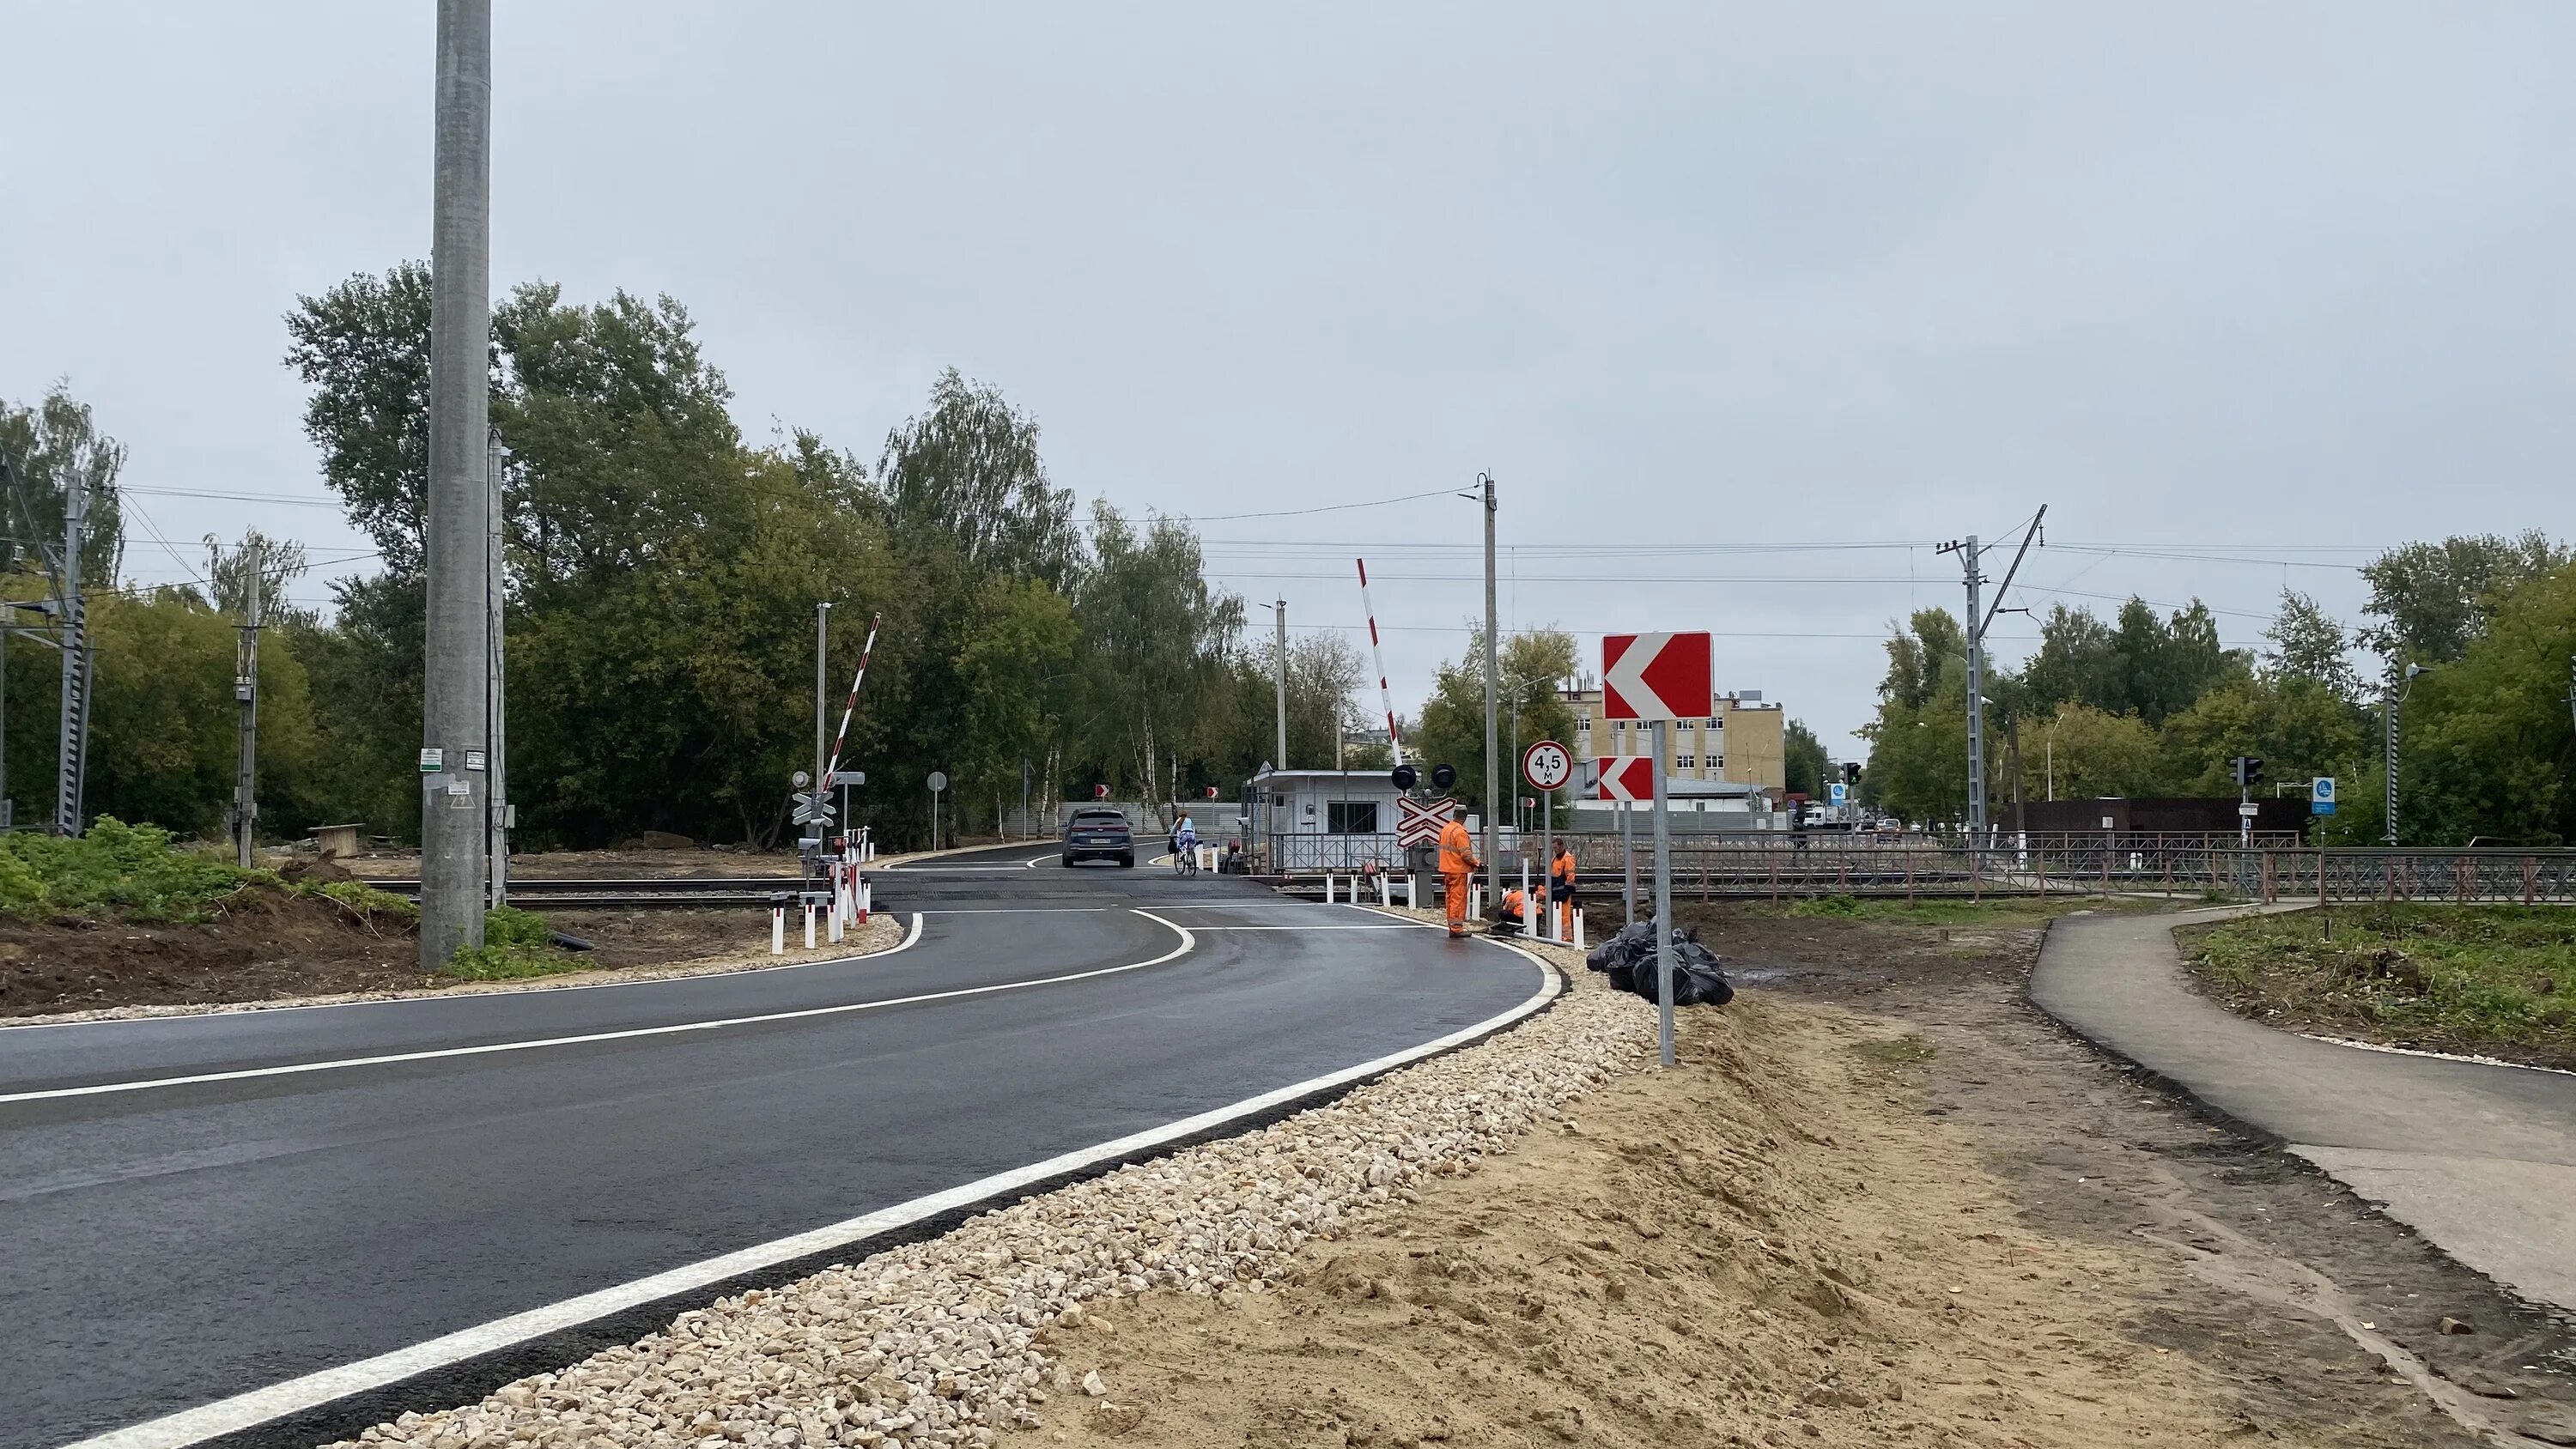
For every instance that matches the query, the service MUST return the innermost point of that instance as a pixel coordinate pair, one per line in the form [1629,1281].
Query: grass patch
[516,945]
[130,871]
[1908,1050]
[2494,980]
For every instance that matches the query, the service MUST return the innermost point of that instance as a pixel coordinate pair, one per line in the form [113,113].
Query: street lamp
[2395,696]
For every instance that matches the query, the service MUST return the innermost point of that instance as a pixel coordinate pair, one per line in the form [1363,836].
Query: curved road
[196,1211]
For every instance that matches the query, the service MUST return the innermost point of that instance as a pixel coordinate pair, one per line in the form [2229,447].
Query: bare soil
[1881,1201]
[268,945]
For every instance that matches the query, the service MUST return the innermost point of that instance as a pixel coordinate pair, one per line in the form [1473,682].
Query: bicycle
[1185,859]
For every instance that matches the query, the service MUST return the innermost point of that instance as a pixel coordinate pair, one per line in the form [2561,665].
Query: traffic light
[2249,770]
[1406,777]
[1851,772]
[1443,776]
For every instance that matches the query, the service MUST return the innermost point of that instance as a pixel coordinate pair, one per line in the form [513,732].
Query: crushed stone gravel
[951,1341]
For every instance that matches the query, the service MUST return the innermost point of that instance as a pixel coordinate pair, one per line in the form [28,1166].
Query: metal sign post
[1547,765]
[938,782]
[1663,905]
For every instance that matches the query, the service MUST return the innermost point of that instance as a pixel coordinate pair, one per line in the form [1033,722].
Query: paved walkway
[2479,1159]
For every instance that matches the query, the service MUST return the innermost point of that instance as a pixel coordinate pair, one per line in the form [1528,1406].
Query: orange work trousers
[1454,891]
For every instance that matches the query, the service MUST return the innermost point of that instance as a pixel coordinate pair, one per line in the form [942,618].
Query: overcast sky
[2278,283]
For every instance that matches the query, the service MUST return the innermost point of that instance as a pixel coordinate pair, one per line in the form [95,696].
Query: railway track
[660,891]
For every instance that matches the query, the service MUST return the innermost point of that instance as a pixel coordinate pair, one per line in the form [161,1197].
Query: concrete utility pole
[2388,722]
[452,818]
[496,730]
[1279,611]
[1978,620]
[246,690]
[71,740]
[1493,690]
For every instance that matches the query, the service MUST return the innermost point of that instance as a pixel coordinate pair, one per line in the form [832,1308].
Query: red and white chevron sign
[1626,777]
[1658,676]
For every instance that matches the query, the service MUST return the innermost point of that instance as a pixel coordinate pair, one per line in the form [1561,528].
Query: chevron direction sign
[1627,777]
[1658,676]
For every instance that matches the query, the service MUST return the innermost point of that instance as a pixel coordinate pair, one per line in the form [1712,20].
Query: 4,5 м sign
[1547,765]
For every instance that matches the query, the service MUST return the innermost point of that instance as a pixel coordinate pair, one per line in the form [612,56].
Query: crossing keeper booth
[1307,822]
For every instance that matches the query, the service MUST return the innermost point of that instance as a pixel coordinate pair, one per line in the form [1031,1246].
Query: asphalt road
[168,1243]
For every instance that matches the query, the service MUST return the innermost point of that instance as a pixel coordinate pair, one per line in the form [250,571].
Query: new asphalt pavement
[194,1210]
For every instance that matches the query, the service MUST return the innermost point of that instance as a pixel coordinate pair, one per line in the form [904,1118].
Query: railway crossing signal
[1418,822]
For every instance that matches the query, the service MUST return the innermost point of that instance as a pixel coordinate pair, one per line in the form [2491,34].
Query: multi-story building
[1745,742]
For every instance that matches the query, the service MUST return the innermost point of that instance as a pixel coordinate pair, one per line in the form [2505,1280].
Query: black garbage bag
[1622,949]
[1699,974]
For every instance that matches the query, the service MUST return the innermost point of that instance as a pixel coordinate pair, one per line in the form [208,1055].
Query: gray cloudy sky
[2279,282]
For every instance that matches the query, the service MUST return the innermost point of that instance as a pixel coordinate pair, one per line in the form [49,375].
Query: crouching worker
[1512,918]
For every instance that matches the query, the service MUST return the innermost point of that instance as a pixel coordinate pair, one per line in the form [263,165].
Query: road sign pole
[1547,853]
[1663,905]
[1628,854]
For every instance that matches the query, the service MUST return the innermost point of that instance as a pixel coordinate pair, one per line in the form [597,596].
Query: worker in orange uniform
[1560,890]
[1513,917]
[1458,866]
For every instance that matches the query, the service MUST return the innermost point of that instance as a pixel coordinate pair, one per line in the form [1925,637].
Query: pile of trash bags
[1699,977]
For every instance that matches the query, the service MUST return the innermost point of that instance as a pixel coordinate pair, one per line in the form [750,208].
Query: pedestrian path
[2479,1159]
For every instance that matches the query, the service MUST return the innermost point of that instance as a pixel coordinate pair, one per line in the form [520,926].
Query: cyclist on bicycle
[1185,838]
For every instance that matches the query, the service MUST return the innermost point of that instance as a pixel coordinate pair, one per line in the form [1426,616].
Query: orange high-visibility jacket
[1514,902]
[1457,850]
[1561,874]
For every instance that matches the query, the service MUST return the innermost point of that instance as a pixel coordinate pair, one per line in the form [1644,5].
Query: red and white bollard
[809,925]
[778,928]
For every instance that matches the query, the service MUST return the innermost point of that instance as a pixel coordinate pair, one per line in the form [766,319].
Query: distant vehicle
[1099,835]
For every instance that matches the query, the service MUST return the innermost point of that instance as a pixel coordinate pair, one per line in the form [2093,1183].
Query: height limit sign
[1547,765]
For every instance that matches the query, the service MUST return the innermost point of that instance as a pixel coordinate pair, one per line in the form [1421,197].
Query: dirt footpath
[1928,1220]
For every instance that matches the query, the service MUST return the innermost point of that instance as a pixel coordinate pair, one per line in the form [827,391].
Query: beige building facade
[1744,742]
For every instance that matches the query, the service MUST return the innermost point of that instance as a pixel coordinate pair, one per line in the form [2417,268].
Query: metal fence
[2164,864]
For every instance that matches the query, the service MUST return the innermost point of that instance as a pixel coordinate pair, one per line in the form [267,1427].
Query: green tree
[48,450]
[2298,726]
[2429,600]
[2489,740]
[164,726]
[2308,643]
[1156,641]
[969,468]
[1804,761]
[1532,668]
[2077,662]
[2087,753]
[1016,667]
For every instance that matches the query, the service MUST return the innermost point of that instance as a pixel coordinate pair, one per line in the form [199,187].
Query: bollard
[867,895]
[809,925]
[1578,930]
[777,930]
[1385,893]
[1328,888]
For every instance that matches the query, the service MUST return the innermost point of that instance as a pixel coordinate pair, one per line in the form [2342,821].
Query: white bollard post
[835,911]
[1385,893]
[1328,888]
[809,925]
[1476,902]
[777,930]
[1578,930]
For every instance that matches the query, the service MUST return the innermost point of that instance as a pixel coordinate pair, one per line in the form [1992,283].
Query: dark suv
[1099,835]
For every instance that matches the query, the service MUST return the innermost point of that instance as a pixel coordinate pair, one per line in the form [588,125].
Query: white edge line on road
[102,1089]
[252,1009]
[244,1411]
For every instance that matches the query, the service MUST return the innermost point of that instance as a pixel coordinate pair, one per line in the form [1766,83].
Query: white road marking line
[218,1012]
[102,1089]
[243,1411]
[1396,927]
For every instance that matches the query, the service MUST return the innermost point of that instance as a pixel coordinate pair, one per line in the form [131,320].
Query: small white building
[1315,820]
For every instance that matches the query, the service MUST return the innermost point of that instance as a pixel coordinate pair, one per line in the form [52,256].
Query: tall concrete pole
[1976,703]
[71,747]
[246,692]
[453,802]
[497,728]
[1280,611]
[2389,741]
[1493,692]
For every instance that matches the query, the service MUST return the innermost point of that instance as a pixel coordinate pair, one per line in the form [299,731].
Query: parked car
[1099,835]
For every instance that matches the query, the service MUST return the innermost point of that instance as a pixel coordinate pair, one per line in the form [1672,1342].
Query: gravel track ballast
[948,1341]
